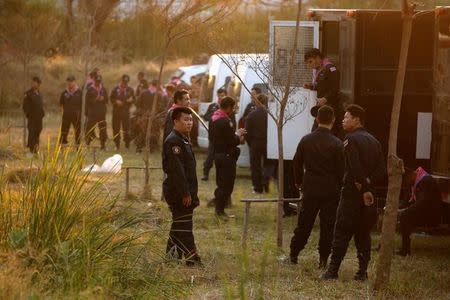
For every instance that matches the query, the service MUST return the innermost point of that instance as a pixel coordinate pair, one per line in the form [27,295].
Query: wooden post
[246,220]
[127,181]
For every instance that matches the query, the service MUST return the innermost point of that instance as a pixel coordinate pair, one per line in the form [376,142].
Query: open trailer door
[298,121]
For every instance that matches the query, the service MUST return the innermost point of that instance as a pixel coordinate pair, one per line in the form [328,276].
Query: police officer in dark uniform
[71,101]
[180,186]
[96,100]
[209,161]
[423,207]
[256,137]
[326,83]
[226,152]
[318,169]
[122,97]
[356,213]
[33,107]
[181,98]
[140,87]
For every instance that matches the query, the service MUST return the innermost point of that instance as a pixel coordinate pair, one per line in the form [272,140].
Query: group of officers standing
[130,111]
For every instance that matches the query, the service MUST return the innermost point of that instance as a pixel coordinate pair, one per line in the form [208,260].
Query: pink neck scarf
[219,114]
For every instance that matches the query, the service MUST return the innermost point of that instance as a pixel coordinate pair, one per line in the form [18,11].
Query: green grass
[230,272]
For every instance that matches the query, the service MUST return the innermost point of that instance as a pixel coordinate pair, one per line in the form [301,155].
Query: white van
[219,75]
[186,72]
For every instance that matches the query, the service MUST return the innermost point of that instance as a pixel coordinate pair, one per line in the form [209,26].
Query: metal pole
[127,181]
[246,219]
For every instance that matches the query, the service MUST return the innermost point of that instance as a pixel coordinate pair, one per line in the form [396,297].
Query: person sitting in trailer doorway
[423,208]
[325,80]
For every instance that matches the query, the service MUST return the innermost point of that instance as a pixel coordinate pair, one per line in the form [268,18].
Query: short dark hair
[263,99]
[325,115]
[312,53]
[125,77]
[257,89]
[141,73]
[357,112]
[178,111]
[178,95]
[221,91]
[36,79]
[227,102]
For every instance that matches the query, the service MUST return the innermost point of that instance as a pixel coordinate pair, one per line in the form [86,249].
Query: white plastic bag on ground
[112,164]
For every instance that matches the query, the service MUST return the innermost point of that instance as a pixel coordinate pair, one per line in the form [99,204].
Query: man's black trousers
[311,206]
[259,165]
[181,238]
[353,219]
[225,176]
[96,120]
[208,164]
[34,126]
[70,118]
[121,119]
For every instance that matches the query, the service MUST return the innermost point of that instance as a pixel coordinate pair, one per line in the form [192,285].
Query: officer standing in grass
[212,108]
[33,107]
[122,97]
[226,152]
[96,100]
[356,213]
[180,187]
[71,101]
[256,137]
[318,170]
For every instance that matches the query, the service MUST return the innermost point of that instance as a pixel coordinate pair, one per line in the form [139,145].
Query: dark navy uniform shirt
[364,158]
[94,106]
[71,102]
[319,163]
[222,135]
[180,166]
[123,94]
[33,104]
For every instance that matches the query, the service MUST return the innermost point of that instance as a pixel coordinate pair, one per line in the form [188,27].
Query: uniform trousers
[181,238]
[93,121]
[325,206]
[353,219]
[225,176]
[71,118]
[121,120]
[34,126]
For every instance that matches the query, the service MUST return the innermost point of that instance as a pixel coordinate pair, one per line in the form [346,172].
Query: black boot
[332,271]
[363,259]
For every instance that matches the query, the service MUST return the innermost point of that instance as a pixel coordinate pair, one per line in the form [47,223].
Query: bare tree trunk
[395,164]
[280,125]
[152,115]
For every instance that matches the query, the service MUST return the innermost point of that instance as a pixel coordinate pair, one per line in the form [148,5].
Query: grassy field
[229,272]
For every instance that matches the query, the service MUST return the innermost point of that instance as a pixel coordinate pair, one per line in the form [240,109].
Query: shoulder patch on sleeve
[176,149]
[345,142]
[333,69]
